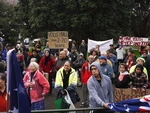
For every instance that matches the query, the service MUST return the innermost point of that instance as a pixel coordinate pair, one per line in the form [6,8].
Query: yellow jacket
[72,78]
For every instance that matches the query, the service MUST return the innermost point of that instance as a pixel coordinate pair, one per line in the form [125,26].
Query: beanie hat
[140,58]
[103,57]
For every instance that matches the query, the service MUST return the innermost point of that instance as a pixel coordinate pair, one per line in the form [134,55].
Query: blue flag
[19,101]
[132,105]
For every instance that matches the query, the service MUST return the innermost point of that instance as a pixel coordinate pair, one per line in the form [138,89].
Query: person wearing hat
[105,68]
[112,49]
[141,61]
[77,64]
[73,55]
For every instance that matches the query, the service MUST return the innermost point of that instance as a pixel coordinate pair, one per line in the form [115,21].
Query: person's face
[138,70]
[90,59]
[144,55]
[122,68]
[61,54]
[102,61]
[130,58]
[140,62]
[95,71]
[67,66]
[34,53]
[32,69]
[94,53]
[111,47]
[46,53]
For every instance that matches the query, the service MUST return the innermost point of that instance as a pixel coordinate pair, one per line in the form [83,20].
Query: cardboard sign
[58,39]
[135,41]
[124,94]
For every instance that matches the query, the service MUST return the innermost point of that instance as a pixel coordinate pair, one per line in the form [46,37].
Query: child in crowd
[139,79]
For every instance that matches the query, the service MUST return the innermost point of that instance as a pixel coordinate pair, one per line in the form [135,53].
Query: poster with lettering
[135,41]
[124,94]
[58,39]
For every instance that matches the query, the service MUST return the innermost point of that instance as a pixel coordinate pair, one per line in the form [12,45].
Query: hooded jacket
[99,93]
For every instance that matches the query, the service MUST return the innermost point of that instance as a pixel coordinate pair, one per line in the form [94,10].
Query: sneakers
[84,104]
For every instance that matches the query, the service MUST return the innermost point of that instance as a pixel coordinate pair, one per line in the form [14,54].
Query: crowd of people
[69,68]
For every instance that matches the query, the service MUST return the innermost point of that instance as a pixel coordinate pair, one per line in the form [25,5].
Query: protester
[130,61]
[66,78]
[33,55]
[83,48]
[85,75]
[100,89]
[36,85]
[60,62]
[120,54]
[4,104]
[77,64]
[147,62]
[46,66]
[122,79]
[139,78]
[112,50]
[105,68]
[4,52]
[139,61]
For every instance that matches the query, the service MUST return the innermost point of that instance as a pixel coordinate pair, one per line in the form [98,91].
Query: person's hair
[2,67]
[3,77]
[36,65]
[139,66]
[68,62]
[125,66]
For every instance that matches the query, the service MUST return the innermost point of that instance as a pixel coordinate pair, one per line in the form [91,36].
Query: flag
[132,105]
[19,101]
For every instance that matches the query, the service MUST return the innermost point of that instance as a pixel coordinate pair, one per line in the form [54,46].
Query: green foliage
[83,19]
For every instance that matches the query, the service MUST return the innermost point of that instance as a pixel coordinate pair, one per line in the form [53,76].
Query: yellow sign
[58,39]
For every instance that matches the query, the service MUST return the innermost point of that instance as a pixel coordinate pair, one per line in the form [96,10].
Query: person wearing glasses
[100,89]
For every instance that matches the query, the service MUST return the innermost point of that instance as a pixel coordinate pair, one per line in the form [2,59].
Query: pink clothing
[40,88]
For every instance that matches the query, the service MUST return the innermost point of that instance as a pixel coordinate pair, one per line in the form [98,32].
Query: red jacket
[85,72]
[3,101]
[48,67]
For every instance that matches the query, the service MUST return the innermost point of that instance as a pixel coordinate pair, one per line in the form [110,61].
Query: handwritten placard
[58,39]
[136,41]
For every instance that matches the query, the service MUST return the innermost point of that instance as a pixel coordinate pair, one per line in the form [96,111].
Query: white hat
[81,54]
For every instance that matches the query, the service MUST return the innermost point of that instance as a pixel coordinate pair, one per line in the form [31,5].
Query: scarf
[121,76]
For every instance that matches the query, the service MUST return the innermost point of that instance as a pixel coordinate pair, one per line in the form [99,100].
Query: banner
[135,41]
[104,45]
[58,39]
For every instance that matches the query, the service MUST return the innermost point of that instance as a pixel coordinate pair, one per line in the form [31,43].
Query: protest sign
[135,41]
[58,39]
[123,94]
